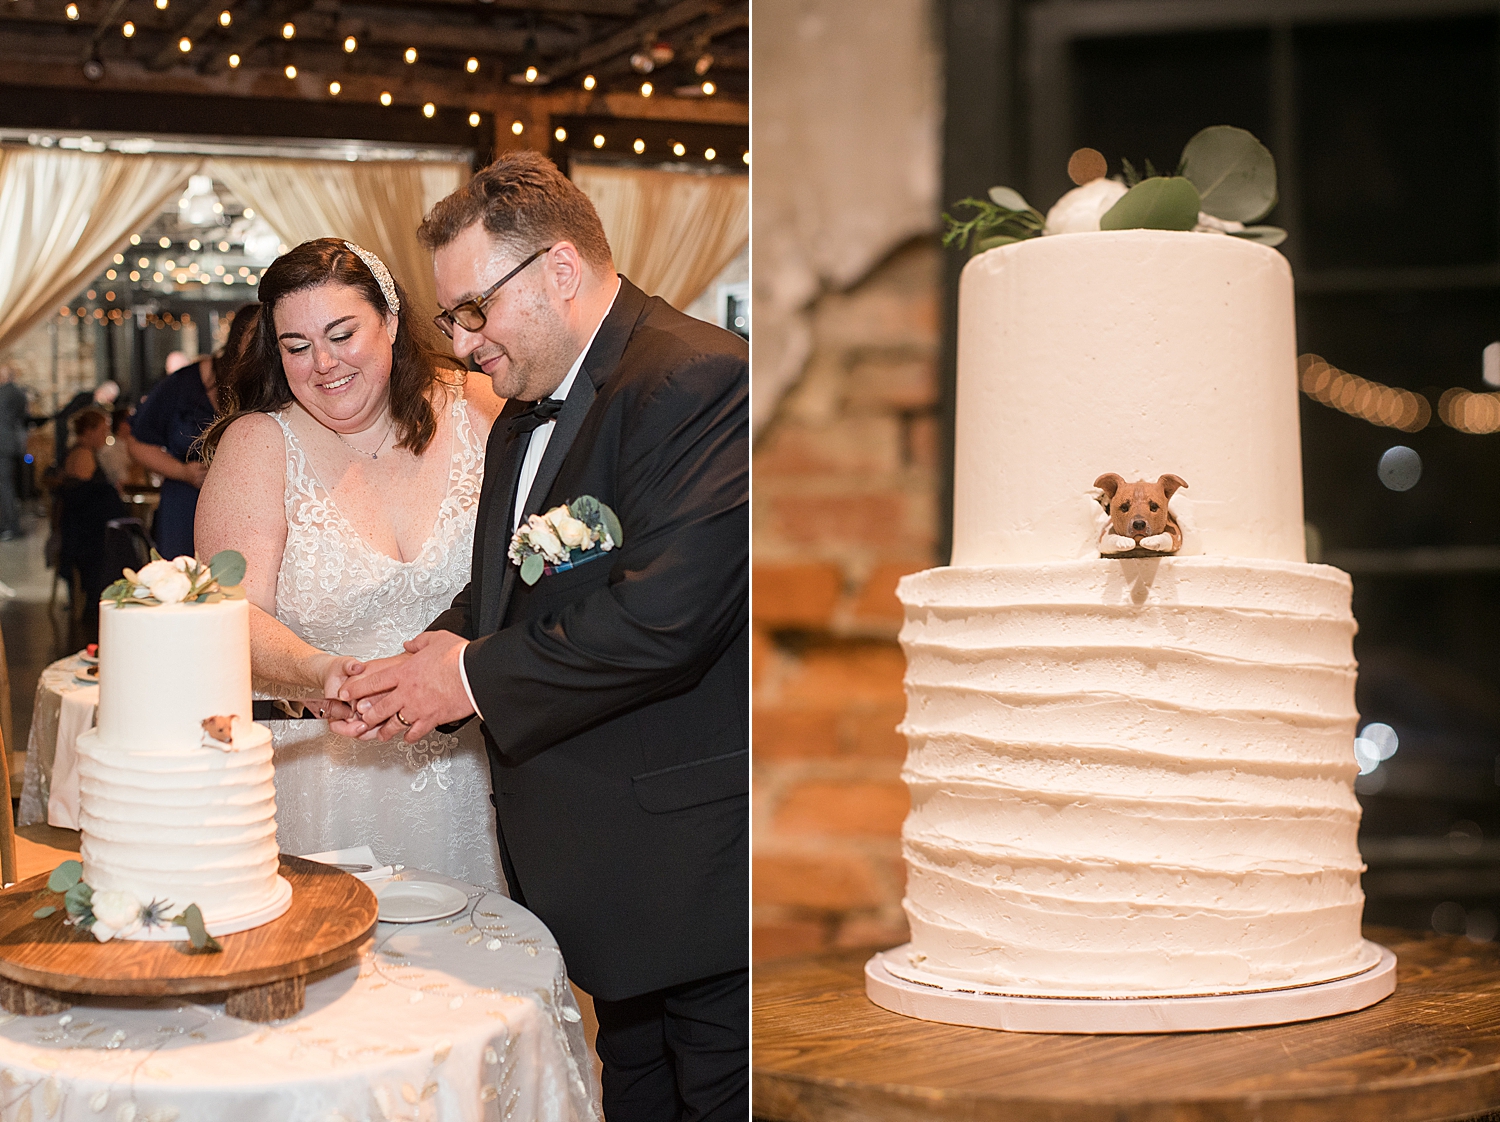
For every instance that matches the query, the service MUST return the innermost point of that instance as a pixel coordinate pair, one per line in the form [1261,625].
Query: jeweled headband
[381,274]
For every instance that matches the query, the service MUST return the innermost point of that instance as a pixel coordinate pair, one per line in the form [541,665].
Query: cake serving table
[824,1052]
[45,964]
[461,1019]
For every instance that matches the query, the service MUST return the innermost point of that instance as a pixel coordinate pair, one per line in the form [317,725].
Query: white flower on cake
[116,912]
[181,580]
[1079,211]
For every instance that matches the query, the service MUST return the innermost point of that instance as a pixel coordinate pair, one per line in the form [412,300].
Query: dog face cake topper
[1140,525]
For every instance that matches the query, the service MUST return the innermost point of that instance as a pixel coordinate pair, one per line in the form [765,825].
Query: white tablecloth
[466,1019]
[63,708]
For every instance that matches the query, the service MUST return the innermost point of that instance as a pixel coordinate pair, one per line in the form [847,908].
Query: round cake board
[274,908]
[44,961]
[1093,1016]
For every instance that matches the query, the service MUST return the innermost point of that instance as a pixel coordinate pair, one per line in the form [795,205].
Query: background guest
[88,501]
[115,456]
[165,432]
[102,395]
[13,408]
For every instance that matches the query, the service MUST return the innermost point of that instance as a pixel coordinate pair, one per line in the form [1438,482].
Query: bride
[346,467]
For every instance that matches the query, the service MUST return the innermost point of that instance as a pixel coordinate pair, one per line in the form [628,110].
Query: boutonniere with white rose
[182,580]
[565,536]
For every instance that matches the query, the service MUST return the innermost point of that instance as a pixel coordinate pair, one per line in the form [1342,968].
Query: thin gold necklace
[375,455]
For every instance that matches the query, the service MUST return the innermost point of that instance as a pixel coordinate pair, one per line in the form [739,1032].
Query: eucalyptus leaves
[182,580]
[113,912]
[1224,182]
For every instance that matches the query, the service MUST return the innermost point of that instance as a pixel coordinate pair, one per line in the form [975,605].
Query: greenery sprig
[1003,218]
[182,580]
[80,903]
[1225,181]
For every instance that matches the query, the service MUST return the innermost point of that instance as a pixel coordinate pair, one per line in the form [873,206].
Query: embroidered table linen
[463,1019]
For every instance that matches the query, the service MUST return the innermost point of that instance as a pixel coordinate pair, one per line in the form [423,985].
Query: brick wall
[844,503]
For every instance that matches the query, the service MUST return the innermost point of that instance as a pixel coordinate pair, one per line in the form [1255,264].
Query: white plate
[86,679]
[415,901]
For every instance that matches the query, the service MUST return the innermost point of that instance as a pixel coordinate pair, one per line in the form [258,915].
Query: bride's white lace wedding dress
[427,804]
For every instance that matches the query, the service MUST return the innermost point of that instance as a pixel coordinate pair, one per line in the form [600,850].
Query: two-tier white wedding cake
[167,811]
[1129,777]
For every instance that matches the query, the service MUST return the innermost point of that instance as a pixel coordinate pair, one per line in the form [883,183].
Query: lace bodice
[338,592]
[426,804]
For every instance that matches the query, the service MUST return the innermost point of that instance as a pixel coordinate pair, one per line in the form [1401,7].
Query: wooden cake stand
[824,1052]
[262,972]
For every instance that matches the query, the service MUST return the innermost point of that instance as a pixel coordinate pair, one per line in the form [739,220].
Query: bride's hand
[335,671]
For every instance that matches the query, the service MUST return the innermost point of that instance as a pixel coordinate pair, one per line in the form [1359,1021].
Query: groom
[614,695]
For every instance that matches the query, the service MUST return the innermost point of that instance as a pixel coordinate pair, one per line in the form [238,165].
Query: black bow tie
[535,415]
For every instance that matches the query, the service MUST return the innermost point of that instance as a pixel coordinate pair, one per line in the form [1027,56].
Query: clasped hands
[406,695]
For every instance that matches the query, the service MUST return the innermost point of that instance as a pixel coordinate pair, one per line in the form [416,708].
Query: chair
[126,546]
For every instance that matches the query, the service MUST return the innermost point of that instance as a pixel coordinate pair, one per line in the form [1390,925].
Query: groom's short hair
[525,201]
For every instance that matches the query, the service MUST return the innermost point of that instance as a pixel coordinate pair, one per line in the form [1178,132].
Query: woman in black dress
[89,500]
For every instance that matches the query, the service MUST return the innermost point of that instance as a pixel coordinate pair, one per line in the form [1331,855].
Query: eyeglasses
[470,314]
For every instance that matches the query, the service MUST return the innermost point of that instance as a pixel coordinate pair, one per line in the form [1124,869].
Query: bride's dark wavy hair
[256,382]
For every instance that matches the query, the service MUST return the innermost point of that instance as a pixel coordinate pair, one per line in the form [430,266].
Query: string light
[223,247]
[72,11]
[234,61]
[560,134]
[385,97]
[135,239]
[517,128]
[709,153]
[351,44]
[128,30]
[709,89]
[588,82]
[161,5]
[1470,412]
[639,146]
[184,44]
[746,158]
[678,149]
[119,259]
[164,241]
[532,74]
[289,30]
[411,55]
[334,88]
[472,66]
[1385,406]
[429,109]
[598,140]
[474,120]
[225,18]
[291,71]
[111,275]
[646,89]
[195,245]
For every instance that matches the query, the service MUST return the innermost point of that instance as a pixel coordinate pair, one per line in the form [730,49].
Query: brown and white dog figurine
[1140,525]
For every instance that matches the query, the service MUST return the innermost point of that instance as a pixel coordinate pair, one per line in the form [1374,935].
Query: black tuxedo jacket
[615,695]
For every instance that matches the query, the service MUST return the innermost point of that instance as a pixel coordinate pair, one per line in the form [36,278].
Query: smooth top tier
[163,669]
[1138,352]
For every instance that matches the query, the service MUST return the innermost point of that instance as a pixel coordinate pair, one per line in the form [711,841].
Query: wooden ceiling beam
[371,27]
[630,38]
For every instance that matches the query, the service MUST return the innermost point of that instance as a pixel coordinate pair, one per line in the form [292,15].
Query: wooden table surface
[1430,1051]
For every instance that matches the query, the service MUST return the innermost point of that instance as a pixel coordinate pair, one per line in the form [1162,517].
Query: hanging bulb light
[226,17]
[385,97]
[429,110]
[184,44]
[335,88]
[560,134]
[234,62]
[289,30]
[351,44]
[410,55]
[291,71]
[517,128]
[474,120]
[128,30]
[588,82]
[647,89]
[472,66]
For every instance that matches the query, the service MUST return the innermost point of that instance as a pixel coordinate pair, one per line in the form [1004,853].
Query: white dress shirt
[532,462]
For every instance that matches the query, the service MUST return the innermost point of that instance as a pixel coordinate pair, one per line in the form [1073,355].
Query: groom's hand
[411,694]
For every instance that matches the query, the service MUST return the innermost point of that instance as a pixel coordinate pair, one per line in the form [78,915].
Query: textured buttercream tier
[165,813]
[163,669]
[1132,777]
[189,827]
[1138,352]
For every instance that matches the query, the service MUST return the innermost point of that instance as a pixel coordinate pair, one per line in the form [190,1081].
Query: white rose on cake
[116,912]
[165,580]
[1080,209]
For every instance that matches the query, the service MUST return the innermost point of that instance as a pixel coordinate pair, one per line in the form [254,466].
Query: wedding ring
[402,719]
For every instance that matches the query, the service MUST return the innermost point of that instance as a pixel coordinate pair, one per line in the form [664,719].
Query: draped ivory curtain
[373,204]
[671,232]
[63,214]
